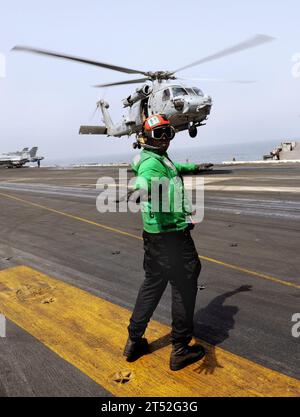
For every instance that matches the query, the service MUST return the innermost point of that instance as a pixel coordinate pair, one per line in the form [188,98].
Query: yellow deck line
[90,333]
[122,232]
[248,271]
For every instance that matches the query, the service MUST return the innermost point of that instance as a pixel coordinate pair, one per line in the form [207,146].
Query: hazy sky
[43,101]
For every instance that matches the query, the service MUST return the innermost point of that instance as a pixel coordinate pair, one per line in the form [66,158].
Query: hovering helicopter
[187,107]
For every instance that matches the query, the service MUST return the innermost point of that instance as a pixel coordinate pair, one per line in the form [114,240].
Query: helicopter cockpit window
[179,91]
[191,91]
[166,95]
[198,91]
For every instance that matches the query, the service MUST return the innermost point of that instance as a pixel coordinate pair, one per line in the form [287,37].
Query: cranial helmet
[158,127]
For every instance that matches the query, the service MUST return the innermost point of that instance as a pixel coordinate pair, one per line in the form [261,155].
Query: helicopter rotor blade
[249,43]
[139,80]
[77,59]
[218,80]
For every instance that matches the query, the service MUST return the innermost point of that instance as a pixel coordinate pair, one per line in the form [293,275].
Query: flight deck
[69,276]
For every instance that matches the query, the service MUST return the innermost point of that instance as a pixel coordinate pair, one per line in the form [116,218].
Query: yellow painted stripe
[248,271]
[90,333]
[122,232]
[71,216]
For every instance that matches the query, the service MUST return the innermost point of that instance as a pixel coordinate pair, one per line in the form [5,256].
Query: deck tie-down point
[122,377]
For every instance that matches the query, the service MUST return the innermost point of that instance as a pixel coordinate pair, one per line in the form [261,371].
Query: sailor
[169,251]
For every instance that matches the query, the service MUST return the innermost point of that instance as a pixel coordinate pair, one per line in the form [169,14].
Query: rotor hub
[161,75]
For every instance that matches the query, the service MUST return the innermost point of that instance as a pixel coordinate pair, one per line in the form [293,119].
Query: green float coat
[149,167]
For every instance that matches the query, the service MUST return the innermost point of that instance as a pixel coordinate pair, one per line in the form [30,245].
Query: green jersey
[153,169]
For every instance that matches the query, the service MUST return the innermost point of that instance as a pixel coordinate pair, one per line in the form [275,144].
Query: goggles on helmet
[162,131]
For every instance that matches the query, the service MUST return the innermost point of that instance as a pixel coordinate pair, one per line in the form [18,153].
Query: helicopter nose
[206,101]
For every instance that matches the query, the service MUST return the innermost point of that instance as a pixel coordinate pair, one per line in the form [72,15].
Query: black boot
[135,349]
[183,355]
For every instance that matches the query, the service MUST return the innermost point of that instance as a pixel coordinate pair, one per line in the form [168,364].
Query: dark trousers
[169,257]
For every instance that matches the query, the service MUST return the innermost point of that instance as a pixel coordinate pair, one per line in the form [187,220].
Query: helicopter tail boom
[112,129]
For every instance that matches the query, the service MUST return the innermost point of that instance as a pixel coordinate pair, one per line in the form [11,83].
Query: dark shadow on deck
[213,324]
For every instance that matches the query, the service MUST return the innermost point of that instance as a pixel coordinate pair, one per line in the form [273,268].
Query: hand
[204,167]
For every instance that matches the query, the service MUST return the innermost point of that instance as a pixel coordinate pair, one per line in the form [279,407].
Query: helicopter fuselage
[185,107]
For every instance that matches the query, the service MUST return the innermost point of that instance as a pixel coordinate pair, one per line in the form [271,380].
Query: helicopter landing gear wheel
[193,131]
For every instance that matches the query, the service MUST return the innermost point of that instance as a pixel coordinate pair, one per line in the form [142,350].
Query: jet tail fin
[33,152]
[93,130]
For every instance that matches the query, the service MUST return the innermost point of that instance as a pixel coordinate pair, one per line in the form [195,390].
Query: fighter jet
[20,158]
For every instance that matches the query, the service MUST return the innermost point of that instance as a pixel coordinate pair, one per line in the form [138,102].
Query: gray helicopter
[187,107]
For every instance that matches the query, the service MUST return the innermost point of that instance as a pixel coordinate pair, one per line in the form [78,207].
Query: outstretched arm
[192,168]
[186,168]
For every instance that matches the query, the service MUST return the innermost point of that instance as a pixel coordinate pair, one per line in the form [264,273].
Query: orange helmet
[157,126]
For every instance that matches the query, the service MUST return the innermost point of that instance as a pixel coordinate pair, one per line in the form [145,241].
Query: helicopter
[186,107]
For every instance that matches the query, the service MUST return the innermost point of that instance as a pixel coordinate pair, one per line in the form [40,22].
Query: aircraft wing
[93,130]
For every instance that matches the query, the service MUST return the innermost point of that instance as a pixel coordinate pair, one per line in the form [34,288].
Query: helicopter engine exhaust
[139,94]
